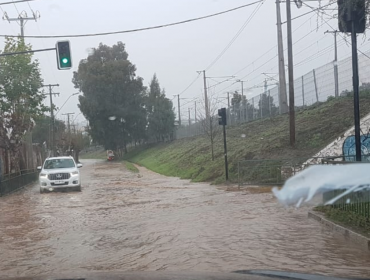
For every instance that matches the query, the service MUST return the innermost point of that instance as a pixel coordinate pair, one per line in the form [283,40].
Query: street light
[66,102]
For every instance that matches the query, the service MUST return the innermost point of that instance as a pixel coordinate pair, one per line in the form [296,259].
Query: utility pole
[52,136]
[265,86]
[189,117]
[355,81]
[335,61]
[195,109]
[205,94]
[178,106]
[22,19]
[69,130]
[291,76]
[283,106]
[69,125]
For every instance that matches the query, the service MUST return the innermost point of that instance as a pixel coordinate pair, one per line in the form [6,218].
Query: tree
[161,117]
[209,124]
[266,104]
[20,99]
[113,97]
[41,130]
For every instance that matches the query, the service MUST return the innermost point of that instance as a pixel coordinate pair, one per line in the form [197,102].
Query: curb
[350,235]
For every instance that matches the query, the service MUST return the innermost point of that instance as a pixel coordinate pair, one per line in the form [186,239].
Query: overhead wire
[334,28]
[14,2]
[236,35]
[16,7]
[139,29]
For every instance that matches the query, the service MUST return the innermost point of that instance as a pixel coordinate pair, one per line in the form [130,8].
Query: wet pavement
[146,222]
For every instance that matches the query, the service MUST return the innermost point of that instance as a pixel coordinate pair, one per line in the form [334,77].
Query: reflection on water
[125,221]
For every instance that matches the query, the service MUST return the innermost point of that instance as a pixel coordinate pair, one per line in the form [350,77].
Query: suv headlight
[43,175]
[74,173]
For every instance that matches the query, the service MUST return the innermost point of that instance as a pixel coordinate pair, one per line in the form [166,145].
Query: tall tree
[20,97]
[209,124]
[266,104]
[161,117]
[113,96]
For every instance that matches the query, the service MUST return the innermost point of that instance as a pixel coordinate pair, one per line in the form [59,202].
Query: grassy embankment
[347,219]
[190,158]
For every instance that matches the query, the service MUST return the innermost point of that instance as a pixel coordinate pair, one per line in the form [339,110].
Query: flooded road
[146,222]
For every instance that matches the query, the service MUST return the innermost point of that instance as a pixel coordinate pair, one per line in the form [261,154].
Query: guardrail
[12,182]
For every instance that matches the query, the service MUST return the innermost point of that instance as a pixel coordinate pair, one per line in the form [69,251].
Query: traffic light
[222,116]
[351,10]
[64,59]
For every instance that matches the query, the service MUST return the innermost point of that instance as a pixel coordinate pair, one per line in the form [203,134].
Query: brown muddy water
[122,221]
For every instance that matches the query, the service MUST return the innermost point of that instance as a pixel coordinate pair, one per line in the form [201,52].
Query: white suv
[60,174]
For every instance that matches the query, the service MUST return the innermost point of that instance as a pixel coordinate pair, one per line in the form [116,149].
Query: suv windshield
[59,163]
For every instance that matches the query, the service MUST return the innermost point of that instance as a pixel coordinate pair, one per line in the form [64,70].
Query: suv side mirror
[79,165]
[39,167]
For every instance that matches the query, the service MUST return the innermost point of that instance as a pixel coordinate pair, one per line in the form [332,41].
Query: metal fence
[12,182]
[356,202]
[277,171]
[315,86]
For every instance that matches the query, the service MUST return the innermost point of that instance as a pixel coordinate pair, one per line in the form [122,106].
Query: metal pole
[356,99]
[303,90]
[52,122]
[225,155]
[189,117]
[205,94]
[314,81]
[261,105]
[178,104]
[243,117]
[195,111]
[269,103]
[283,106]
[22,26]
[336,66]
[291,77]
[228,106]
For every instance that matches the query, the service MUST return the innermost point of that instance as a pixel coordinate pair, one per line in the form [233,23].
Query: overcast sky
[176,53]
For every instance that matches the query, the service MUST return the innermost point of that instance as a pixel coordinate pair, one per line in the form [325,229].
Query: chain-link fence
[315,86]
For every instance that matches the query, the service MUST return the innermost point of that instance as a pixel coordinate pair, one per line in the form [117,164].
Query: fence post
[314,81]
[261,105]
[303,89]
[269,104]
[252,108]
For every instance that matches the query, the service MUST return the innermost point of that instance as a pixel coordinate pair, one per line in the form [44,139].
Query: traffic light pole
[356,98]
[225,152]
[31,51]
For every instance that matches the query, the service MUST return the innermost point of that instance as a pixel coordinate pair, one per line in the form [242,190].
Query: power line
[314,10]
[14,2]
[236,35]
[192,83]
[333,28]
[138,29]
[16,8]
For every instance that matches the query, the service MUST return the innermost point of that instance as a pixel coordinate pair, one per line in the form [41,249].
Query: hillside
[190,158]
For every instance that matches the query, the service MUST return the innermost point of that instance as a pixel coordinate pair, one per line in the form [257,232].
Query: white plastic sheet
[319,179]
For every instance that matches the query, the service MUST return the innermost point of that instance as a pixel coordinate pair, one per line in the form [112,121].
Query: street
[145,222]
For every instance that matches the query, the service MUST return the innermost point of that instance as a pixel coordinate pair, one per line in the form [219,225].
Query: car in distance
[59,174]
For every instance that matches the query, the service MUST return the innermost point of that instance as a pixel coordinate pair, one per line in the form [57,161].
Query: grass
[190,158]
[130,166]
[347,219]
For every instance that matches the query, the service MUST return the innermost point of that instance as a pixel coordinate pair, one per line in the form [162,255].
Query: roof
[68,157]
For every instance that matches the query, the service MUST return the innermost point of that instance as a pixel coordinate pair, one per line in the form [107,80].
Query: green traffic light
[65,60]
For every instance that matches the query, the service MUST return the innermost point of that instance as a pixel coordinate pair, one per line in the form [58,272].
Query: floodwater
[123,221]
